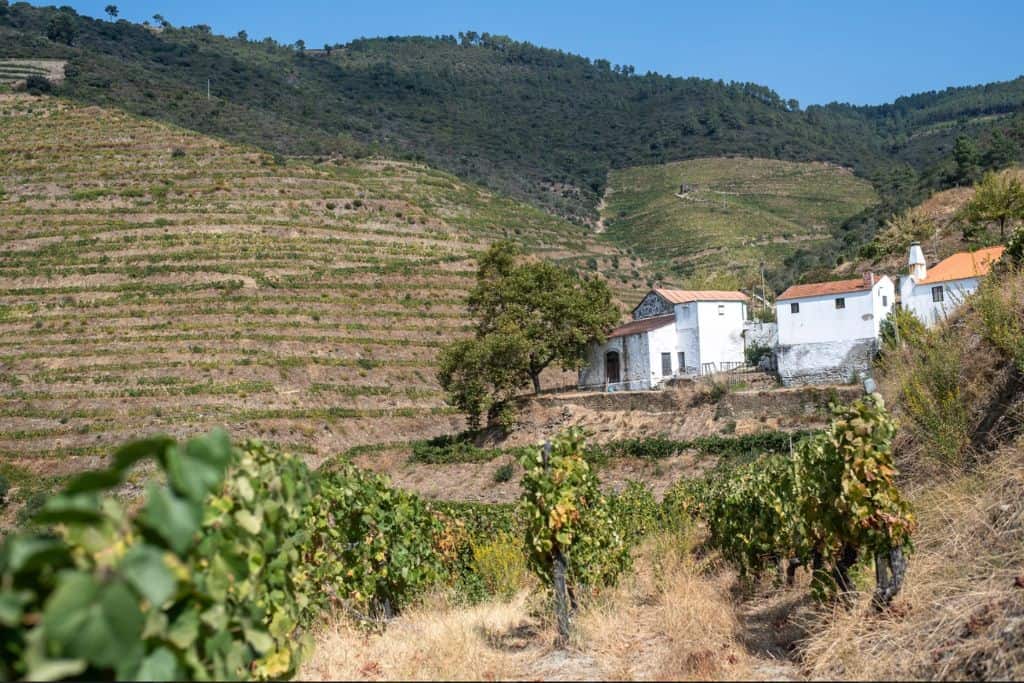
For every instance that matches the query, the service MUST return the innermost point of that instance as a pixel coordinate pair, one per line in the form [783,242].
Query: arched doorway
[611,367]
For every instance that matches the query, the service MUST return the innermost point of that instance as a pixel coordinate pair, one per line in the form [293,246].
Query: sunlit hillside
[154,279]
[714,220]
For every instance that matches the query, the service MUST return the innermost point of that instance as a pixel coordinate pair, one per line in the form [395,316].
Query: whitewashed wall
[918,298]
[761,334]
[659,341]
[687,336]
[721,336]
[820,321]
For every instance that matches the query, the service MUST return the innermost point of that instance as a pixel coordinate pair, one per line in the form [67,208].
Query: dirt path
[601,227]
[770,636]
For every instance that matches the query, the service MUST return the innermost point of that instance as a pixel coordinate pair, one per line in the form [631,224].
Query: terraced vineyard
[14,70]
[155,279]
[713,220]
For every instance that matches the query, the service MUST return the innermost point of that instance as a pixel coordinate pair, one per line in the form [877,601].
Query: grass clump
[501,565]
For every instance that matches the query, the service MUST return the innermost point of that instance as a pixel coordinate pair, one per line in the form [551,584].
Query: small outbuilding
[828,331]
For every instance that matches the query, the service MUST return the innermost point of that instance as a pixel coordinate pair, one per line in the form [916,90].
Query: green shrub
[501,565]
[30,508]
[635,512]
[902,328]
[754,353]
[567,514]
[374,546]
[218,575]
[998,303]
[466,526]
[931,398]
[836,491]
[38,85]
[504,473]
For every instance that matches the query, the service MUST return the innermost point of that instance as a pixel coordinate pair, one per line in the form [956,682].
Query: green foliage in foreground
[219,574]
[568,516]
[836,491]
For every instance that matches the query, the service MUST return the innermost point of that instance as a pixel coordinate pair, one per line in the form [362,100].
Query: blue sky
[864,52]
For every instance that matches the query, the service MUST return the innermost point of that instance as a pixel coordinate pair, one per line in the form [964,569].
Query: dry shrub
[959,392]
[961,613]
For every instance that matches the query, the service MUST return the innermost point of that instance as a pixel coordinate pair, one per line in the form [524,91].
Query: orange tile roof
[686,296]
[825,288]
[963,264]
[643,325]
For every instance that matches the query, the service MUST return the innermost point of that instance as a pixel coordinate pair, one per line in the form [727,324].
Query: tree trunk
[890,568]
[791,568]
[535,376]
[841,572]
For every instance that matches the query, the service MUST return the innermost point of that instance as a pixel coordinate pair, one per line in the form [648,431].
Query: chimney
[869,279]
[918,269]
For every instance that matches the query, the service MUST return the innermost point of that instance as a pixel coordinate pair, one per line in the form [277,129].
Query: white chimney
[918,268]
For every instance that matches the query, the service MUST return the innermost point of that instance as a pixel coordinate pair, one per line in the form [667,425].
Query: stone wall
[644,401]
[797,402]
[825,362]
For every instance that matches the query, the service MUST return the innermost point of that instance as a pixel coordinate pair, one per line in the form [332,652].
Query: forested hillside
[532,122]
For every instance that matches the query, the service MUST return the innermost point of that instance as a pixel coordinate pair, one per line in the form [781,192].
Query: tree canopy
[999,199]
[529,314]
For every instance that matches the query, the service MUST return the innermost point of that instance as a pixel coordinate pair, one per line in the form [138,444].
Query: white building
[828,331]
[933,293]
[673,333]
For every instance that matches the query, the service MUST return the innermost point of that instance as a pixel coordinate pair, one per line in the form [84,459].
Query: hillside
[711,221]
[958,394]
[154,279]
[935,223]
[533,122]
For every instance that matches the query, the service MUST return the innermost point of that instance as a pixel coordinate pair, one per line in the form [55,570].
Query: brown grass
[961,614]
[672,618]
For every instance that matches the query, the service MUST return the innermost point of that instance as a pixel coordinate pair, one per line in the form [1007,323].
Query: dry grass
[670,619]
[961,614]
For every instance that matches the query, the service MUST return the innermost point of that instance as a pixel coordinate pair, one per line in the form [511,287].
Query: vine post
[558,572]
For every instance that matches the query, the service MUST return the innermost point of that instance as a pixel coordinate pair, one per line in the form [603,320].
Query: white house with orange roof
[933,293]
[674,333]
[828,331]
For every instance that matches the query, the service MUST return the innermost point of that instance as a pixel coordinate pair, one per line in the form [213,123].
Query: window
[682,362]
[885,300]
[721,309]
[666,364]
[686,311]
[794,308]
[840,302]
[938,295]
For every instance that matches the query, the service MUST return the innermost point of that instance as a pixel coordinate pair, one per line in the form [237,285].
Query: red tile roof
[826,288]
[686,296]
[644,325]
[964,264]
